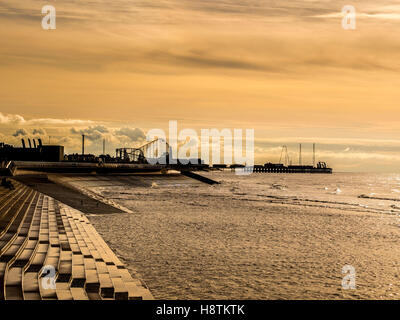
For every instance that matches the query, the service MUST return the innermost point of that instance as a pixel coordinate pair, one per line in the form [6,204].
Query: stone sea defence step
[50,251]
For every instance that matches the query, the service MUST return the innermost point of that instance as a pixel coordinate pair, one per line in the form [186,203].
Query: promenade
[50,251]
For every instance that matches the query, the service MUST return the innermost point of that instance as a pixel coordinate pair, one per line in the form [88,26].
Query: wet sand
[205,244]
[188,240]
[49,185]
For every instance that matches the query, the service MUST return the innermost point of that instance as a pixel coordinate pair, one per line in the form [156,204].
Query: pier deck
[40,234]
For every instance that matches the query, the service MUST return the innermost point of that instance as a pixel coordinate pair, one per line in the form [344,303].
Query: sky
[287,69]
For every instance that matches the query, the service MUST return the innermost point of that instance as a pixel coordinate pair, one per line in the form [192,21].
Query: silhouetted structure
[76,157]
[51,153]
[280,168]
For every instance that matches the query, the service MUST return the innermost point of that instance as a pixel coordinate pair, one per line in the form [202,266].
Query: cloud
[368,10]
[52,121]
[135,134]
[39,131]
[11,118]
[216,45]
[92,133]
[211,62]
[20,132]
[384,16]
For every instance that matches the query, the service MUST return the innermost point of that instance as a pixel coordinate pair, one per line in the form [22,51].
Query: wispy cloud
[11,119]
[251,63]
[384,16]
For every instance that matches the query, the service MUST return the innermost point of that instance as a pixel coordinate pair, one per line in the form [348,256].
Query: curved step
[41,237]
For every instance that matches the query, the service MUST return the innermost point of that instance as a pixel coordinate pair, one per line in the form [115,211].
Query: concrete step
[13,284]
[43,238]
[9,213]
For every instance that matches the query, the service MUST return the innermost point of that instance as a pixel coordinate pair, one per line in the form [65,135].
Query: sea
[259,236]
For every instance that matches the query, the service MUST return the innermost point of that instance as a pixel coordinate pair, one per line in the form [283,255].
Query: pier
[290,169]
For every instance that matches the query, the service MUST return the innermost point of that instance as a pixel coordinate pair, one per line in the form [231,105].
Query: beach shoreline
[188,240]
[221,242]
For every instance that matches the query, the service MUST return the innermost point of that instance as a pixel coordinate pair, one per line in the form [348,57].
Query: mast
[83,144]
[313,160]
[300,154]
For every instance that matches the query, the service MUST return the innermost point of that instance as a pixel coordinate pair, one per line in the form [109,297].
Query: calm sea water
[263,236]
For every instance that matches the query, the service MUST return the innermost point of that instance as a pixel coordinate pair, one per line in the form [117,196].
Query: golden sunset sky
[288,69]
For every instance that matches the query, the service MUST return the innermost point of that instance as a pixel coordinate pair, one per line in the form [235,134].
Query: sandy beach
[209,242]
